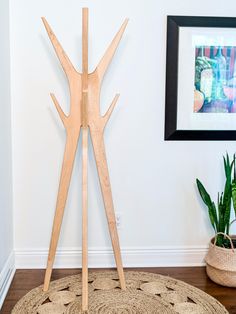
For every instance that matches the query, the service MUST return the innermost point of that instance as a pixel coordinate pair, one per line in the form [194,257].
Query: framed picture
[200,78]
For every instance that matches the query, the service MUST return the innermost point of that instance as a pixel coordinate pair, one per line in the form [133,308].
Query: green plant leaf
[220,216]
[203,193]
[213,216]
[234,168]
[220,240]
[211,206]
[221,211]
[227,167]
[226,208]
[227,217]
[234,195]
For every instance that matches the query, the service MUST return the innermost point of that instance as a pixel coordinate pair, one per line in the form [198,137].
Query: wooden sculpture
[85,116]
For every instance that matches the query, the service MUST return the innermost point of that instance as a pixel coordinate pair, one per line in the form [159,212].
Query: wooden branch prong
[61,54]
[107,115]
[61,113]
[106,59]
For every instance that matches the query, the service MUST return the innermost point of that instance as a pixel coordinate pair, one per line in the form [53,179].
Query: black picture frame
[172,55]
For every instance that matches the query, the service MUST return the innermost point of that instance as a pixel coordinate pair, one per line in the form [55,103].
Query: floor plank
[27,279]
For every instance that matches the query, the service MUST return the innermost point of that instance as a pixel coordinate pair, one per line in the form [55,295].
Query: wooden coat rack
[84,116]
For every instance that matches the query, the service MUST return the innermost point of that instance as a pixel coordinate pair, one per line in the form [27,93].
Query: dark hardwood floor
[25,280]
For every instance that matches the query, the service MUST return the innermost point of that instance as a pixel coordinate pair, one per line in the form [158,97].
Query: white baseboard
[6,277]
[132,257]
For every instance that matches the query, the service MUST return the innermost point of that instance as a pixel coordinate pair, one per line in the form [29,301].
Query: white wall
[153,181]
[6,217]
[6,231]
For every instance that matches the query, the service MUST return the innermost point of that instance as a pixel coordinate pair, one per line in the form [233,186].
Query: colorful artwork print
[215,79]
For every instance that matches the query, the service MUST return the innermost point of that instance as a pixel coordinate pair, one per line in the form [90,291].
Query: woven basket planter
[221,263]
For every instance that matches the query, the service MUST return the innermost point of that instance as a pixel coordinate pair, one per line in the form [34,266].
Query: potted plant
[221,256]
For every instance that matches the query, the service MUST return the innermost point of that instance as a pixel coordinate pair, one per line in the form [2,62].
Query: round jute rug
[146,293]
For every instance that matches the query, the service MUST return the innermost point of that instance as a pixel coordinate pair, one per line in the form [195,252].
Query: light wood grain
[85,219]
[62,56]
[85,113]
[106,59]
[97,124]
[100,156]
[67,166]
[85,160]
[72,124]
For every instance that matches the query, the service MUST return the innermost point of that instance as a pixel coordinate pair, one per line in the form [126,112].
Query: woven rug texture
[146,293]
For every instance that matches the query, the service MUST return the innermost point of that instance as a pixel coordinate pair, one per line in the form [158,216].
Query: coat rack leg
[67,166]
[100,156]
[84,113]
[85,219]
